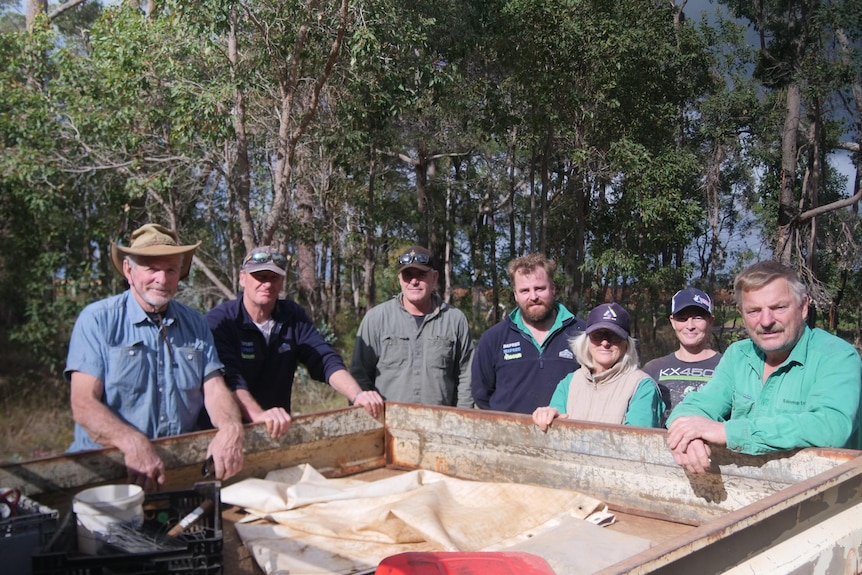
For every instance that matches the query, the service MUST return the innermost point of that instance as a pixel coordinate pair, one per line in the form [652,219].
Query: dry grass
[36,420]
[311,396]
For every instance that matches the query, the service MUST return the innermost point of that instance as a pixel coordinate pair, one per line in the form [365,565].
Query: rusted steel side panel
[337,443]
[810,527]
[629,468]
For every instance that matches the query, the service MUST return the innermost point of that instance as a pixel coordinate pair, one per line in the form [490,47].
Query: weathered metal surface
[629,468]
[336,443]
[811,527]
[797,512]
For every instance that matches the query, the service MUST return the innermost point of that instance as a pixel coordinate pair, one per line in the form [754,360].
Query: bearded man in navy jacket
[519,361]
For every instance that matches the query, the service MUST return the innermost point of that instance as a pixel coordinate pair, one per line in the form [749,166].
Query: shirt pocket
[189,363]
[394,352]
[742,405]
[127,378]
[440,353]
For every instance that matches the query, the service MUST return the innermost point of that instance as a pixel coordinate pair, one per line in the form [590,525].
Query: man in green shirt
[787,386]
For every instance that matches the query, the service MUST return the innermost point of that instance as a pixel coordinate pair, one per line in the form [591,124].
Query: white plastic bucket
[98,507]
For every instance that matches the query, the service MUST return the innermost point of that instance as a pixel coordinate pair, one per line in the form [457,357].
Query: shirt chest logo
[566,354]
[512,351]
[247,349]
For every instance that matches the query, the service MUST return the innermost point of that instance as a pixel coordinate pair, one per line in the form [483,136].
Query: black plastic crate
[200,552]
[28,528]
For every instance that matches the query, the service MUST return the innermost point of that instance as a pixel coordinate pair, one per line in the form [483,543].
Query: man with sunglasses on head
[692,365]
[261,339]
[415,348]
[142,365]
[520,360]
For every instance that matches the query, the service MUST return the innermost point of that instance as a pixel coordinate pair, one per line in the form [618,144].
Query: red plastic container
[464,563]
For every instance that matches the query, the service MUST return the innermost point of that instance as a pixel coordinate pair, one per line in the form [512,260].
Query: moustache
[762,331]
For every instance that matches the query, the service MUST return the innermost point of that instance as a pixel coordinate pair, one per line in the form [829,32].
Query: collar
[437,303]
[563,316]
[138,315]
[799,353]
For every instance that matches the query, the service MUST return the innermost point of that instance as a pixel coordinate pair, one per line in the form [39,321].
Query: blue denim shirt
[115,341]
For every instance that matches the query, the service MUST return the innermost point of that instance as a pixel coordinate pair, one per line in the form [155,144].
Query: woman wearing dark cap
[608,387]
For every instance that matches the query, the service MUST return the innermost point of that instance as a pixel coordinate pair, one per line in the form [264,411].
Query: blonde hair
[580,346]
[526,264]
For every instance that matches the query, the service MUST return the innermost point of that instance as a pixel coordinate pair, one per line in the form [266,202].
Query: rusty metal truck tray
[787,512]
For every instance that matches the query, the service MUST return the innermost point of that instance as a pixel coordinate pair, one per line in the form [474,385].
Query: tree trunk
[786,207]
[420,171]
[240,179]
[369,241]
[306,281]
[33,9]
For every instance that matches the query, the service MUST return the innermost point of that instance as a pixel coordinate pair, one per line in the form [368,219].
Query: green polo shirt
[810,400]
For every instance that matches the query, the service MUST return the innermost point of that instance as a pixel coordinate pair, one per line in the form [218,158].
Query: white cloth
[334,526]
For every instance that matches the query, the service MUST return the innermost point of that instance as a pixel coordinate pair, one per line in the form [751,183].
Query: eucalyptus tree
[598,91]
[809,69]
[386,73]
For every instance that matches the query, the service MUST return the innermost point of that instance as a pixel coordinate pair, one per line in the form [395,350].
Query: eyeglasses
[605,335]
[405,259]
[263,257]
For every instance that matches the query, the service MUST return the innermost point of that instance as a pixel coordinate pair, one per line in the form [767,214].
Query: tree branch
[64,8]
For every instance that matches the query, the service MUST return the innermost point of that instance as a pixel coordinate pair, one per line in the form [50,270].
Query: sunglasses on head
[601,335]
[263,257]
[405,259]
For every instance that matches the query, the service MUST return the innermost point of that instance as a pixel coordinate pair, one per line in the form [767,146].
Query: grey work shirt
[429,363]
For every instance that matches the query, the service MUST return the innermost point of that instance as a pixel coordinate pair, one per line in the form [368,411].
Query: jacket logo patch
[512,351]
[284,347]
[246,349]
[567,354]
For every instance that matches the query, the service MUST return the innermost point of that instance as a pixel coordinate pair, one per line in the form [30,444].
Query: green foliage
[632,146]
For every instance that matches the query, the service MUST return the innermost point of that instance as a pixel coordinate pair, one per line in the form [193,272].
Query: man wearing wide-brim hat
[143,366]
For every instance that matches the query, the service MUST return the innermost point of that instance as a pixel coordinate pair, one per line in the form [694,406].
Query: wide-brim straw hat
[153,240]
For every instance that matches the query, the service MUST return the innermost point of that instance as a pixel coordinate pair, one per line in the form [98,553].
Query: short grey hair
[762,273]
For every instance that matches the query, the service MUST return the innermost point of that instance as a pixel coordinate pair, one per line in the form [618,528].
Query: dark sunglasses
[263,257]
[405,259]
[601,335]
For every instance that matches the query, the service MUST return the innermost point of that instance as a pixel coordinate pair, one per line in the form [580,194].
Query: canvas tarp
[314,525]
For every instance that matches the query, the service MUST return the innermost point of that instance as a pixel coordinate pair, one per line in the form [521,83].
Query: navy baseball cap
[690,297]
[610,316]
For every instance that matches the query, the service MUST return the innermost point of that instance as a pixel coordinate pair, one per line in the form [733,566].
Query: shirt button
[131,352]
[189,357]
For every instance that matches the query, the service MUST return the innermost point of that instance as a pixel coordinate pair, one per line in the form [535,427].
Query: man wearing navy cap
[693,364]
[261,340]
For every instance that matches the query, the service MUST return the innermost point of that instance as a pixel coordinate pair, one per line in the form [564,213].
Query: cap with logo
[690,297]
[611,316]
